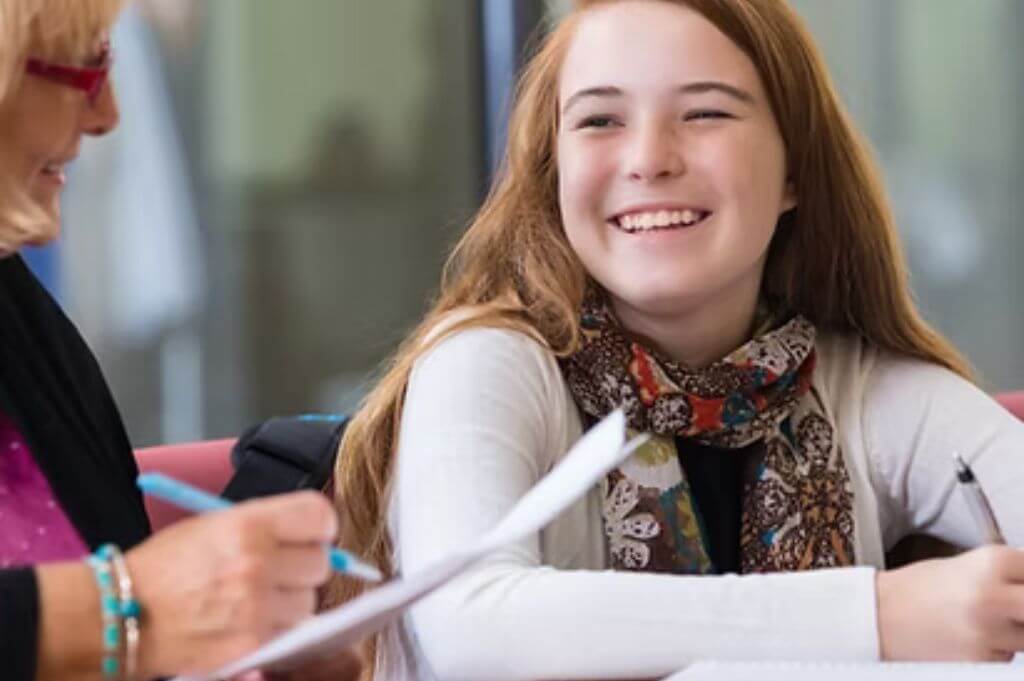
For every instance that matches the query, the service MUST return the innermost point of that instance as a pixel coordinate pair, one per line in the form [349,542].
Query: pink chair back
[206,465]
[1013,401]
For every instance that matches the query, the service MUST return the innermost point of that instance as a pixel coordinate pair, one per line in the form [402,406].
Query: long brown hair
[835,258]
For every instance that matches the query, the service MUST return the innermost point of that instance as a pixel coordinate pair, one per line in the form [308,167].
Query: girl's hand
[970,607]
[217,586]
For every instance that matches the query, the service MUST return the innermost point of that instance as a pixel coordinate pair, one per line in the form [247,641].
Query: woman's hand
[215,587]
[970,607]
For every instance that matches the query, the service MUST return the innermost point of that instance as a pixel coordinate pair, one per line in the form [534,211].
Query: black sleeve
[19,623]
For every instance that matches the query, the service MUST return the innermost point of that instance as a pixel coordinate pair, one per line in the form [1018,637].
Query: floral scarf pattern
[797,510]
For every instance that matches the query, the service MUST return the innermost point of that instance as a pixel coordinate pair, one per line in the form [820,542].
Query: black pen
[977,502]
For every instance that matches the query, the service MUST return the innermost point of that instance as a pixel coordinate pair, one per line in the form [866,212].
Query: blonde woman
[199,593]
[688,226]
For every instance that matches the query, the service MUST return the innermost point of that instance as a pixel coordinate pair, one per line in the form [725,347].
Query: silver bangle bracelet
[130,612]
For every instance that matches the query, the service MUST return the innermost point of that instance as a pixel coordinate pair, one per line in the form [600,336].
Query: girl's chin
[657,301]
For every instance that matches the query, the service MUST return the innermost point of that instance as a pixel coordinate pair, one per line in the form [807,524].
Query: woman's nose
[101,115]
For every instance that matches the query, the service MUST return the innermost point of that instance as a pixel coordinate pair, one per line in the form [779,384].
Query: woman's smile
[53,174]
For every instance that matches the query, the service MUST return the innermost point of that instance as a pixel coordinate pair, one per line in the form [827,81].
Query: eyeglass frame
[88,79]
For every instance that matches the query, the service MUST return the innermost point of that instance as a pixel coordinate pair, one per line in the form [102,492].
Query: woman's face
[41,126]
[671,167]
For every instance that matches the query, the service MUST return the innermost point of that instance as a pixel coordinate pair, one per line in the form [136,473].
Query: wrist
[890,590]
[882,578]
[148,663]
[70,644]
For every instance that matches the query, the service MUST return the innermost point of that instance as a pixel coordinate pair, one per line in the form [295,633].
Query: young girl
[688,226]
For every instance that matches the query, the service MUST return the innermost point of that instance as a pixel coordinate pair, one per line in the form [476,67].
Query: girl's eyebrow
[697,87]
[717,86]
[599,91]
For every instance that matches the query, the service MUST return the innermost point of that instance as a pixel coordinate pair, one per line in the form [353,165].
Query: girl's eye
[706,114]
[596,122]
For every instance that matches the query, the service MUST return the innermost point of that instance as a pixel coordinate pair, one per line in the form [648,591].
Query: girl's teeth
[660,219]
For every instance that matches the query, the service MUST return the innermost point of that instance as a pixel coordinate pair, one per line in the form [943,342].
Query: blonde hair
[835,259]
[58,30]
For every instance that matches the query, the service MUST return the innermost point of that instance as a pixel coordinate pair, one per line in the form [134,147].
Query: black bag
[285,454]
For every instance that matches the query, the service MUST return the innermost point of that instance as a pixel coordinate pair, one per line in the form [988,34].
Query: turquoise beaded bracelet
[120,613]
[130,610]
[110,611]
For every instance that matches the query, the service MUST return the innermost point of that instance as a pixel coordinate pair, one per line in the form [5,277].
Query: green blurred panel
[285,74]
[342,145]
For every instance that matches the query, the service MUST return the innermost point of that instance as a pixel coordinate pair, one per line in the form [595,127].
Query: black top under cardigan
[52,389]
[717,477]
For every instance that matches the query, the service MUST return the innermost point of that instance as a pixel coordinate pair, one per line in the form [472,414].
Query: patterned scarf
[797,510]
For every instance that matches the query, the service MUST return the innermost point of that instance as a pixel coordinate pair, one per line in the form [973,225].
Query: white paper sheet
[596,453]
[822,671]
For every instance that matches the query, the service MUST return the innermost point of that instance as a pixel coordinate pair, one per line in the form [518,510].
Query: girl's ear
[788,197]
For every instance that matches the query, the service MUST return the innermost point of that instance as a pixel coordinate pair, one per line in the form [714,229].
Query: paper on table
[816,671]
[600,450]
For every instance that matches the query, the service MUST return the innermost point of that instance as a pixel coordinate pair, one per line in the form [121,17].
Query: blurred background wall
[271,217]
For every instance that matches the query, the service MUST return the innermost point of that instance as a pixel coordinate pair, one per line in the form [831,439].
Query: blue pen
[196,500]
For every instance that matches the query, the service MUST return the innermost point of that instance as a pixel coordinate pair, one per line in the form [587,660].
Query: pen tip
[374,575]
[366,572]
[345,563]
[963,471]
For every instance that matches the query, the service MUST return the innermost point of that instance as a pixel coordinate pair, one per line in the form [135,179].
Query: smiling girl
[686,226]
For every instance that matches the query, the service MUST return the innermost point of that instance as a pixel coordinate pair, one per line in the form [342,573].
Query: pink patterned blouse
[35,528]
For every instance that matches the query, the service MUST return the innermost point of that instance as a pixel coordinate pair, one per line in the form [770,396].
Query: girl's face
[671,167]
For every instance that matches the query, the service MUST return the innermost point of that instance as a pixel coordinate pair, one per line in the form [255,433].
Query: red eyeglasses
[88,79]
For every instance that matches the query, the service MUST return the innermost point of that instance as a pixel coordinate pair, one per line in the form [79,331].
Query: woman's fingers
[295,566]
[216,586]
[296,518]
[289,607]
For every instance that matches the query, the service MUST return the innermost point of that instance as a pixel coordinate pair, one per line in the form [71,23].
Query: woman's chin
[47,230]
[46,239]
